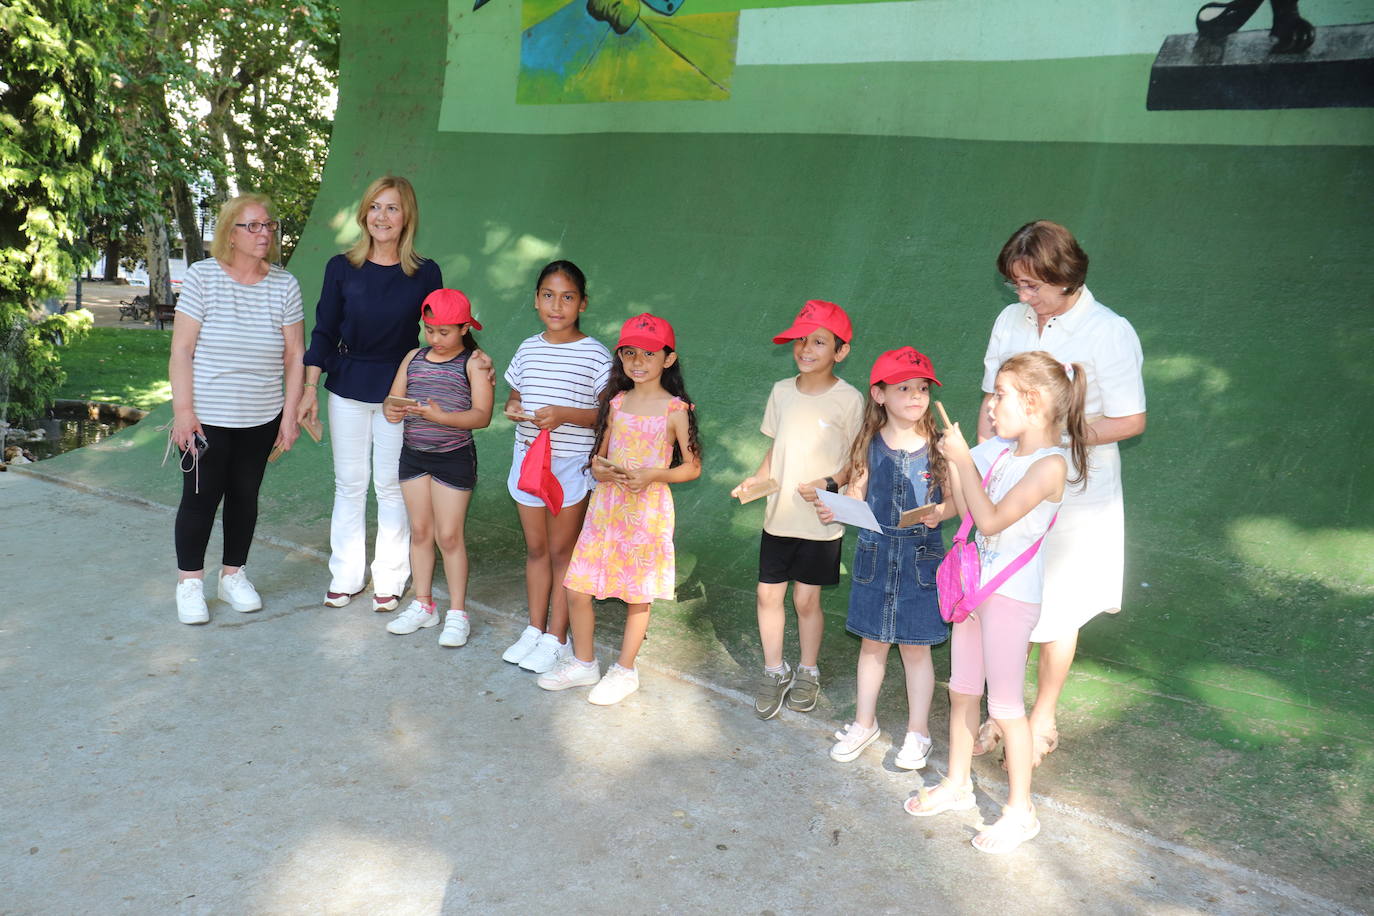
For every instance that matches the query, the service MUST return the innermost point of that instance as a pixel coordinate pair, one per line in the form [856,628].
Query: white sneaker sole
[434,622]
[907,763]
[853,754]
[594,679]
[516,657]
[246,607]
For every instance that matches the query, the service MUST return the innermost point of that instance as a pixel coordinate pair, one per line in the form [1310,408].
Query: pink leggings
[991,645]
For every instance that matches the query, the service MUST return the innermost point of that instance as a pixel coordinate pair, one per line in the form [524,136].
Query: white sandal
[1011,830]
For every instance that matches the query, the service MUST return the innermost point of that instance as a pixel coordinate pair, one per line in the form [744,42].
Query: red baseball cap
[900,365]
[817,313]
[648,332]
[448,306]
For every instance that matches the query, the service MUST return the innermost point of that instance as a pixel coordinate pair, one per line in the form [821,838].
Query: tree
[52,154]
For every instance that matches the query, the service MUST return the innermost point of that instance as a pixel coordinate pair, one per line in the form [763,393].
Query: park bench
[140,309]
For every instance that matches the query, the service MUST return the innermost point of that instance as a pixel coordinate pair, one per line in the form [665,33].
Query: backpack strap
[982,593]
[966,524]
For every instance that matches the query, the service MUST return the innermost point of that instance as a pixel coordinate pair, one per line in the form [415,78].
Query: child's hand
[933,517]
[744,485]
[824,513]
[427,409]
[953,446]
[393,414]
[605,473]
[548,417]
[636,479]
[808,490]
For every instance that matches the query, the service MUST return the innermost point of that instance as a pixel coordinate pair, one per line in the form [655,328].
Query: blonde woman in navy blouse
[365,324]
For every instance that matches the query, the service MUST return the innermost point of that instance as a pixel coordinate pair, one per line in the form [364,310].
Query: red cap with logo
[448,306]
[817,313]
[900,365]
[648,332]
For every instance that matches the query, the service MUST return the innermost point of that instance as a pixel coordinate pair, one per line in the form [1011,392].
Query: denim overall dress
[892,596]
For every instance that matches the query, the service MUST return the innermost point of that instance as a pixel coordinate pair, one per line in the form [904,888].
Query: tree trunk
[156,252]
[242,170]
[193,245]
[112,252]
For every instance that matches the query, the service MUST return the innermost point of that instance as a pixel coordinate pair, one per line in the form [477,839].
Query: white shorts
[576,481]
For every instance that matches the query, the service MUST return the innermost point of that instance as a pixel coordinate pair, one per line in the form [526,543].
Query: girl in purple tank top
[441,398]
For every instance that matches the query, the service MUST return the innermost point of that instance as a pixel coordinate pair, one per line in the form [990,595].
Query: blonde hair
[230,213]
[1046,251]
[1044,380]
[410,212]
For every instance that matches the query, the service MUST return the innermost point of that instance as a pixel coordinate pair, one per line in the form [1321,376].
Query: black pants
[230,469]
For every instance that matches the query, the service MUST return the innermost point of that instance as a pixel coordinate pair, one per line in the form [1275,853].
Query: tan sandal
[1011,830]
[944,796]
[989,736]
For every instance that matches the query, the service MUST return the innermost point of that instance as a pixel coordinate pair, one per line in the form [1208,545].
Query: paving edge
[1243,875]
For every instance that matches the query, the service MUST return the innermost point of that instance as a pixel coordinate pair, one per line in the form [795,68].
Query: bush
[30,370]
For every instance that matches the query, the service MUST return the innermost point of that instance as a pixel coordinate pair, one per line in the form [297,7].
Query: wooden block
[314,429]
[912,516]
[277,452]
[759,491]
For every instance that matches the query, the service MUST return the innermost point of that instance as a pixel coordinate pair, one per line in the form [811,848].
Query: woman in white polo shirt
[1085,551]
[236,379]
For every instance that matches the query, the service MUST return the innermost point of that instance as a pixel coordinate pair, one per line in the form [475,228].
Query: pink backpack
[957,577]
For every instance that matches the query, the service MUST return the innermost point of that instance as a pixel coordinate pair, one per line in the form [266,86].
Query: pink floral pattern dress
[625,549]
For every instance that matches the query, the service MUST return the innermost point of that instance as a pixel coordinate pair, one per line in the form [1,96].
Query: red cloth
[536,473]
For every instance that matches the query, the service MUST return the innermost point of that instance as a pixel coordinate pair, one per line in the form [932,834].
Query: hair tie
[1068,370]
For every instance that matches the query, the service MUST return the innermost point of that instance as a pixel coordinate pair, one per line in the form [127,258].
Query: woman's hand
[308,411]
[288,433]
[185,428]
[481,361]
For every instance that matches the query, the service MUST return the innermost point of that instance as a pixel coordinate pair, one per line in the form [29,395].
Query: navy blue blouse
[367,320]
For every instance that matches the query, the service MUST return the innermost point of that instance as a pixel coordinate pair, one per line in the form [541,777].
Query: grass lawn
[118,366]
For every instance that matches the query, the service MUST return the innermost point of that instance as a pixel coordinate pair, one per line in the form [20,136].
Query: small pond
[71,424]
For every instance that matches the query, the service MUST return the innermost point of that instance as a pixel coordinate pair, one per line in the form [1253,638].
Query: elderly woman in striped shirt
[236,377]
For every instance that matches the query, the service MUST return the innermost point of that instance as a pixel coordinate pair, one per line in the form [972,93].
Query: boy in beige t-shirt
[812,419]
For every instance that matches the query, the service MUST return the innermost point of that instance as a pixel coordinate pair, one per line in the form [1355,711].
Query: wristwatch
[831,485]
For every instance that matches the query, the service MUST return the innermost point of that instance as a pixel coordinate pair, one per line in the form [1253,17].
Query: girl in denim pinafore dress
[892,599]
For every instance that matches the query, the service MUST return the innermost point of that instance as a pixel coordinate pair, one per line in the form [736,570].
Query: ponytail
[1063,395]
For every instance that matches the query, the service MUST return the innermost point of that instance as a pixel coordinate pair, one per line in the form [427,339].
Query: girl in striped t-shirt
[555,379]
[438,460]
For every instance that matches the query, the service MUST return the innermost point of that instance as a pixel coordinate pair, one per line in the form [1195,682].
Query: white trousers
[358,431]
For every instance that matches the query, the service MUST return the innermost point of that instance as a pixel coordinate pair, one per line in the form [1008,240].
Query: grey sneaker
[772,691]
[806,687]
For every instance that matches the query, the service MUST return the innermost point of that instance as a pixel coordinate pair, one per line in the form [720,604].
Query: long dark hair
[573,273]
[875,418]
[672,382]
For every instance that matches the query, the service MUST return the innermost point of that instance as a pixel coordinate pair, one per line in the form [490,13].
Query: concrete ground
[301,759]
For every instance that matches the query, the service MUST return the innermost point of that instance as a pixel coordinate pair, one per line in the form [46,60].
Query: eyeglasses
[1022,287]
[255,227]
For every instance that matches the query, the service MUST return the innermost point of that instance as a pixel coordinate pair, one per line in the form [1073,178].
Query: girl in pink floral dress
[646,438]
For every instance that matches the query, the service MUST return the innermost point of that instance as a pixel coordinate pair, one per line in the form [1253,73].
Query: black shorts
[799,560]
[456,469]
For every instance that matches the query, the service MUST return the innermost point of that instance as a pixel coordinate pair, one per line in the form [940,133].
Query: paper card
[849,510]
[758,491]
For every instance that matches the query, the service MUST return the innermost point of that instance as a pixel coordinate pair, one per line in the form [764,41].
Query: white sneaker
[615,686]
[915,751]
[385,604]
[456,629]
[191,601]
[415,616]
[239,592]
[339,599]
[570,673]
[522,646]
[546,653]
[853,742]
